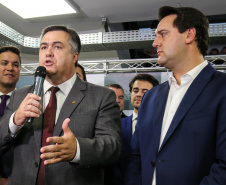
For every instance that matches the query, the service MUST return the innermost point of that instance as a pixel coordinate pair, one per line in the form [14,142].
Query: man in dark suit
[10,62]
[180,137]
[138,86]
[86,135]
[119,92]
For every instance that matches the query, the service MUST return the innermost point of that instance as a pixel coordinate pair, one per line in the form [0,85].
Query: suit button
[7,138]
[160,161]
[152,164]
[36,165]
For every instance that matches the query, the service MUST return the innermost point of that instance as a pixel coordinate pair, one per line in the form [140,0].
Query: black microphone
[40,75]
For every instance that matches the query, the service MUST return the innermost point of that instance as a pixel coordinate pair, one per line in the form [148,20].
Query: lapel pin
[73,102]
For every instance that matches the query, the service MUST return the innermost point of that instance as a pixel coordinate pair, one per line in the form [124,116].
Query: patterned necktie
[48,125]
[4,98]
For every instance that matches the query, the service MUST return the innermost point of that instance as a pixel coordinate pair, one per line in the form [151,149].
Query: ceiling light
[38,8]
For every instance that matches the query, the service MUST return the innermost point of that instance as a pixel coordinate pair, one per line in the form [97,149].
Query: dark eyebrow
[160,31]
[144,89]
[12,62]
[136,88]
[16,62]
[55,42]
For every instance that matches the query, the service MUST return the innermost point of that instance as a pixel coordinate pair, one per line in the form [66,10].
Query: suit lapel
[36,126]
[72,101]
[160,104]
[127,130]
[190,97]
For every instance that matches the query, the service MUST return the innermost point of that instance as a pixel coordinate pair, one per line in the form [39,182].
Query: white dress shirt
[134,122]
[175,96]
[61,95]
[7,102]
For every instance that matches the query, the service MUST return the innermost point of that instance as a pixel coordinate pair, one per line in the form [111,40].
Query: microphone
[40,75]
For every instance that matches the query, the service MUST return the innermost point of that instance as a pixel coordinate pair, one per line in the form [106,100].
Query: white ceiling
[116,11]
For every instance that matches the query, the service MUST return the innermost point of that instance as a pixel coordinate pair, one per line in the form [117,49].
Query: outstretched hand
[61,148]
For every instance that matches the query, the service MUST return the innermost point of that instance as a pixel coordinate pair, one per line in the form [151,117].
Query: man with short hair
[138,86]
[74,133]
[180,137]
[223,51]
[80,71]
[119,92]
[10,62]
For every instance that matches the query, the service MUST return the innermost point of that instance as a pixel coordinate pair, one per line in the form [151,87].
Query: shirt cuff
[13,128]
[77,155]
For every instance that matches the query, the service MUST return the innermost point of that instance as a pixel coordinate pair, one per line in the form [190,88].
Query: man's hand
[4,181]
[63,149]
[29,107]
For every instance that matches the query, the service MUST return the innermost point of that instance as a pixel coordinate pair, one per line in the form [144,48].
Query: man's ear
[75,56]
[191,33]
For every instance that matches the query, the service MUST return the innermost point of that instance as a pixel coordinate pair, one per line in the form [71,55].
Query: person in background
[115,174]
[119,92]
[75,130]
[80,71]
[10,62]
[223,51]
[213,51]
[180,137]
[138,86]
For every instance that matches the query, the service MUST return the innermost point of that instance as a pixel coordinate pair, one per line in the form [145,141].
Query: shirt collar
[134,116]
[10,93]
[65,87]
[192,74]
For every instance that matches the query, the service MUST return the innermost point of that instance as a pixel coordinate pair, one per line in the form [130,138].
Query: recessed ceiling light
[38,8]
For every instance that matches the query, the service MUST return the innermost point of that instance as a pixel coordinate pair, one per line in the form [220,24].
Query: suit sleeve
[105,146]
[6,140]
[217,174]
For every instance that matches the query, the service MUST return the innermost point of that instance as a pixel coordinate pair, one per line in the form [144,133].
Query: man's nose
[49,52]
[140,93]
[10,67]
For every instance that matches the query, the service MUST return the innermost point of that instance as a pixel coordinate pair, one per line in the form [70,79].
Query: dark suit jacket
[193,151]
[126,139]
[6,162]
[126,134]
[115,174]
[95,121]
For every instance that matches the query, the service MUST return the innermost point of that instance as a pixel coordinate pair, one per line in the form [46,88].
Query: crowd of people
[215,51]
[79,134]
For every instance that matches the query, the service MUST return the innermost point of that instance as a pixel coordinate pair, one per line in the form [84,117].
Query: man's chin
[9,84]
